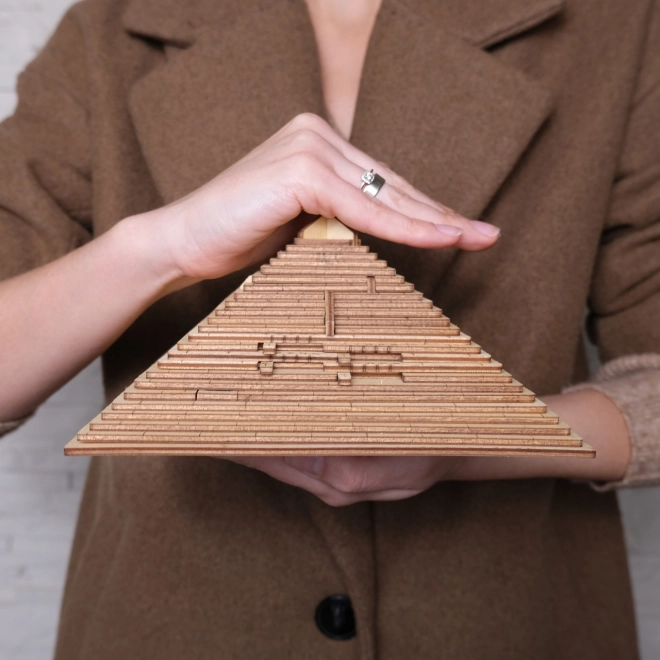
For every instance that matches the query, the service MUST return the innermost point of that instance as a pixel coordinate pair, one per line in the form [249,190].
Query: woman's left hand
[344,480]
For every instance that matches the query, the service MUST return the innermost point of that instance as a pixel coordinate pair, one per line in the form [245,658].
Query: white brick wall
[39,495]
[40,489]
[24,27]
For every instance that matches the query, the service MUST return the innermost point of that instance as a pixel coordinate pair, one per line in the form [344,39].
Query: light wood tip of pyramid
[329,229]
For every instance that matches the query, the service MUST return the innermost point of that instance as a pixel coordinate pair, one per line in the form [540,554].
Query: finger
[277,468]
[330,195]
[389,495]
[308,144]
[365,162]
[308,151]
[475,235]
[280,469]
[370,474]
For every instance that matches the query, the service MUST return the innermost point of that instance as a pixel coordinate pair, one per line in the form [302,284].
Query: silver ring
[371,183]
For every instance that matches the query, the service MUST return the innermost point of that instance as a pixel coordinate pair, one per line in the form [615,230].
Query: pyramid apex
[329,229]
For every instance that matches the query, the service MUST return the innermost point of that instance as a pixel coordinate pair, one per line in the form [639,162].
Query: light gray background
[40,489]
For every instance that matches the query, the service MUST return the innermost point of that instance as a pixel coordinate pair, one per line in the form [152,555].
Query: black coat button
[335,617]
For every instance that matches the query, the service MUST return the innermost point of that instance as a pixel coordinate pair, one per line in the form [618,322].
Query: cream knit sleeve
[633,383]
[7,427]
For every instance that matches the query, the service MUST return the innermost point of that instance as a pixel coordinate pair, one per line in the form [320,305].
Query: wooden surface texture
[326,350]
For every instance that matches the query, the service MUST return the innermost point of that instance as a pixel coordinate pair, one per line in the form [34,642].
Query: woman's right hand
[239,218]
[244,214]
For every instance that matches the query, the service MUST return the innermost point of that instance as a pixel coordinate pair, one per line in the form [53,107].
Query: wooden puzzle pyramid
[327,350]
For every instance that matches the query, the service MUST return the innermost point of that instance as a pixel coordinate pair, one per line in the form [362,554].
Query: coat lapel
[483,24]
[225,85]
[450,117]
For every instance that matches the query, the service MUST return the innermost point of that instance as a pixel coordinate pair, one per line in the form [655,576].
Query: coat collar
[223,56]
[481,24]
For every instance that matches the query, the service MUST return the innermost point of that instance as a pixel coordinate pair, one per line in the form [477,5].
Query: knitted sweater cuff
[632,382]
[8,427]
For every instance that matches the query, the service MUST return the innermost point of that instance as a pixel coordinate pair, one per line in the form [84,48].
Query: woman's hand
[239,218]
[344,480]
[340,481]
[244,214]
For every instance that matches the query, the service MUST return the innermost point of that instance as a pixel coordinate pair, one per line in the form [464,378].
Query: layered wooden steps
[326,350]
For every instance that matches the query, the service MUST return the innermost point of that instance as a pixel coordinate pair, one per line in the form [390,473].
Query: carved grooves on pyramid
[326,349]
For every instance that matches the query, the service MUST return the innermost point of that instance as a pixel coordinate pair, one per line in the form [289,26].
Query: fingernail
[450,230]
[312,465]
[485,228]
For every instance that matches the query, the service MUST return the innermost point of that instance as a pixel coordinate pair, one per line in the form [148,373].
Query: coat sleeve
[624,318]
[45,170]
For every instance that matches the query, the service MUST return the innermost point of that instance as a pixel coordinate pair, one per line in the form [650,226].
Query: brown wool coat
[538,115]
